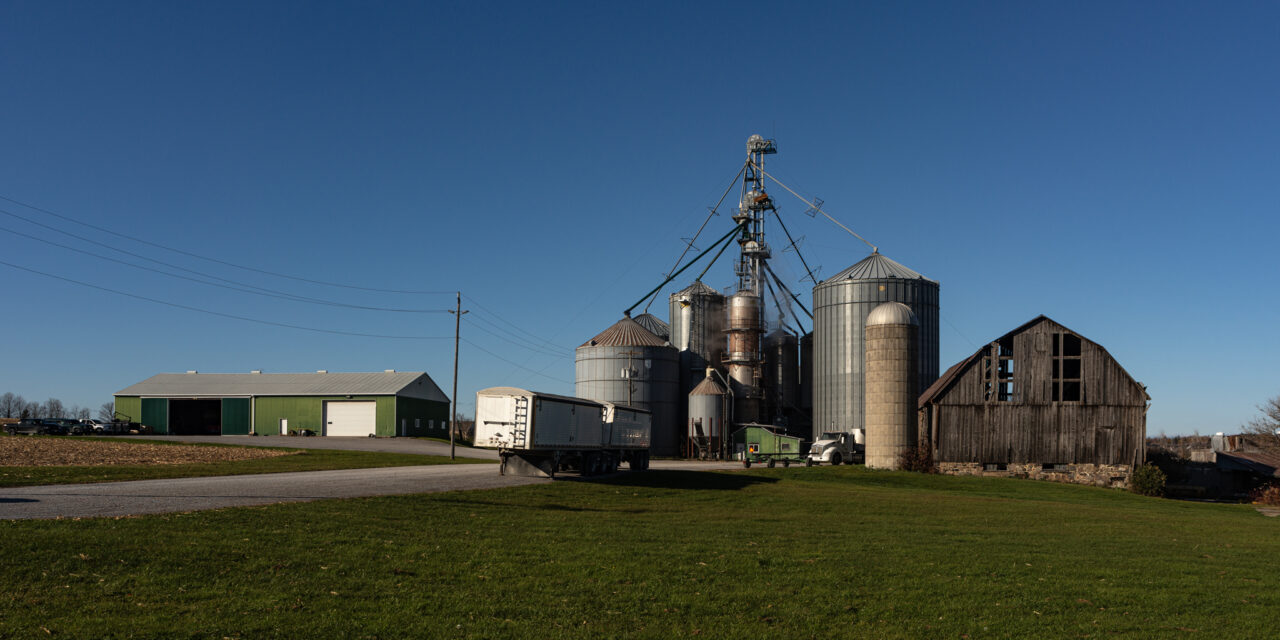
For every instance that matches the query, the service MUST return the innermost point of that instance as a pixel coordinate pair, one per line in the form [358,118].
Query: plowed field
[27,451]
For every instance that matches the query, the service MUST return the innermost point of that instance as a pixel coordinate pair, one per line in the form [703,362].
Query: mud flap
[530,466]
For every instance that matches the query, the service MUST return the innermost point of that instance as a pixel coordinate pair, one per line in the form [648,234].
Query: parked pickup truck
[836,447]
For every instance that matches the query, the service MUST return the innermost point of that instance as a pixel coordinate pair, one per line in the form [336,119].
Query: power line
[266,292]
[542,341]
[219,313]
[561,354]
[518,366]
[215,260]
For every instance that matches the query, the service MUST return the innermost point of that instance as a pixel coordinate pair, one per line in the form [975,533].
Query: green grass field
[795,553]
[306,460]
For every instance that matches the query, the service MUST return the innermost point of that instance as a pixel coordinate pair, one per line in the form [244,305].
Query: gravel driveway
[195,494]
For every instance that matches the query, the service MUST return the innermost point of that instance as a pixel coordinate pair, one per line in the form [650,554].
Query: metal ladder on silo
[519,430]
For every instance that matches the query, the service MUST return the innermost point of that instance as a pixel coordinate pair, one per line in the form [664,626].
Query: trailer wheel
[772,463]
[786,464]
[746,463]
[808,462]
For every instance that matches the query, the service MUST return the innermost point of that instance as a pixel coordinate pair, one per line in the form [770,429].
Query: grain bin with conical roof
[655,325]
[627,364]
[840,308]
[707,407]
[891,335]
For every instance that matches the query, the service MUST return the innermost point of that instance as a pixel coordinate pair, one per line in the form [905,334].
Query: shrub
[1147,480]
[919,458]
[1268,494]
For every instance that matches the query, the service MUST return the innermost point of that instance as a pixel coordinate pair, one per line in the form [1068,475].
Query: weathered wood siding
[1106,426]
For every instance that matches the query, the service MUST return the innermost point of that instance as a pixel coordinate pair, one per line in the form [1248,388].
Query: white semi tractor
[539,433]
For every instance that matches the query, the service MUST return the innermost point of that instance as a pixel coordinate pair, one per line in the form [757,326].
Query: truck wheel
[835,459]
[772,463]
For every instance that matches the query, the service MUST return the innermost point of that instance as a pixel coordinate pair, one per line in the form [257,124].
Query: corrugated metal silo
[706,418]
[629,365]
[697,331]
[781,378]
[891,336]
[840,308]
[655,325]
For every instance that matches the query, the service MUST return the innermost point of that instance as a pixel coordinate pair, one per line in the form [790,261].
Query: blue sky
[1110,164]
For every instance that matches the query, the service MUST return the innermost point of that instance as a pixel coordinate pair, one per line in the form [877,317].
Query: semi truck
[539,434]
[838,446]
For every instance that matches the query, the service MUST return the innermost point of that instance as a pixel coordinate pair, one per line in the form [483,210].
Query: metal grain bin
[629,365]
[782,378]
[841,305]
[655,325]
[706,418]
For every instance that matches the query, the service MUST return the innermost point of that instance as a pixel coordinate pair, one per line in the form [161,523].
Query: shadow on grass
[693,480]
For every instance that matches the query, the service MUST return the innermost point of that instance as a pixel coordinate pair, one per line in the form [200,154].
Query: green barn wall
[129,408]
[429,412]
[307,412]
[155,414]
[235,416]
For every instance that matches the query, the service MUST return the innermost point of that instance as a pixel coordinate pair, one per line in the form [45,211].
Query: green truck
[767,444]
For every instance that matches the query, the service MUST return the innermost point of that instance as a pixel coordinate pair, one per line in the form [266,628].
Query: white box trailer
[539,433]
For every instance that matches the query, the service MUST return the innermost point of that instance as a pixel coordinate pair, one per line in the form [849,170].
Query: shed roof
[876,267]
[410,384]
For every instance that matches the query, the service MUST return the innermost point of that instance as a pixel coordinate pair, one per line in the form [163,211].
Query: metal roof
[698,288]
[892,313]
[410,384]
[876,267]
[708,387]
[625,333]
[655,325]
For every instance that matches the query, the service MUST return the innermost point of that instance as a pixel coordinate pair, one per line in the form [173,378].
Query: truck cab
[835,447]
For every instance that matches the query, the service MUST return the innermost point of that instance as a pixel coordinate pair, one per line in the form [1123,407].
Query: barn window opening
[1067,369]
[1054,466]
[998,379]
[995,466]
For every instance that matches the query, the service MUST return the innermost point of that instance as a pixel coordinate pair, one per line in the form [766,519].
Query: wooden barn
[1041,401]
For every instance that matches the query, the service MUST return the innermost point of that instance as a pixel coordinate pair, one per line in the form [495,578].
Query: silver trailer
[541,433]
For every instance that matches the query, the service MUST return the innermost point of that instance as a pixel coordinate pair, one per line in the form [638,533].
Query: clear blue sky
[1113,165]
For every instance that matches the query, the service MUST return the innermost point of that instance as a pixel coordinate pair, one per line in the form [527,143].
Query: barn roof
[411,384]
[943,383]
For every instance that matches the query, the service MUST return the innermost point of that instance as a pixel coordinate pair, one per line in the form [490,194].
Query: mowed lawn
[766,553]
[33,473]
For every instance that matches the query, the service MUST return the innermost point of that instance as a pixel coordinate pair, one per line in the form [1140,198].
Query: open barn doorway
[201,417]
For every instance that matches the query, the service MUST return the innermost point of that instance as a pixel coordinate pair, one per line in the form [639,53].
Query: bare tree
[107,412]
[53,408]
[11,405]
[84,413]
[1264,431]
[31,410]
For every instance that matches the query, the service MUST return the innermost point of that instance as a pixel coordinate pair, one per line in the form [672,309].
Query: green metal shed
[391,403]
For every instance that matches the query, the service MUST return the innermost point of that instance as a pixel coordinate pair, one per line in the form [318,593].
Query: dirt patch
[27,451]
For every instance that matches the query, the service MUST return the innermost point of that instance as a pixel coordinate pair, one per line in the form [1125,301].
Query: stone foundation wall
[1101,475]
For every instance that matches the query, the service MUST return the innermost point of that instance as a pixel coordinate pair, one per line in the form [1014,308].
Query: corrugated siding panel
[308,413]
[433,417]
[235,416]
[129,408]
[155,414]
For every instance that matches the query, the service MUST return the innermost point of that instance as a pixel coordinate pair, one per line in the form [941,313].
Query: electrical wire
[518,366]
[777,216]
[561,354]
[199,273]
[542,342]
[265,293]
[219,313]
[216,260]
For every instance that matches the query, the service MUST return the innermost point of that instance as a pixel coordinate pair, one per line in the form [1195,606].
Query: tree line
[13,405]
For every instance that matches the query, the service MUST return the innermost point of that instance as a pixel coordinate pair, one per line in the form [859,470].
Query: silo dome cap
[892,313]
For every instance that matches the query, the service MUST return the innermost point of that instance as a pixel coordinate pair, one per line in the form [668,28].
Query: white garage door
[350,418]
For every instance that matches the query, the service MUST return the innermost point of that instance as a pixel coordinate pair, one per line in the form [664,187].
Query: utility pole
[457,331]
